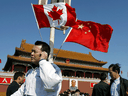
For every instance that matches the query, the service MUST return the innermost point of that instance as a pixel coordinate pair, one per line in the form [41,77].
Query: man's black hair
[77,90]
[61,94]
[103,76]
[45,46]
[73,92]
[86,94]
[17,74]
[115,67]
[81,93]
[68,90]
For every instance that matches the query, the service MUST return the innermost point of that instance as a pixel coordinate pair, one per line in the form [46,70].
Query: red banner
[92,85]
[5,80]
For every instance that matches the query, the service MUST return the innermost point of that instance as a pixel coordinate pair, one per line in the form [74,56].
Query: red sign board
[0,60]
[92,85]
[5,80]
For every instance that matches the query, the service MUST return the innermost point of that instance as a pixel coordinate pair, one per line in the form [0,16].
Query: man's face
[112,74]
[73,83]
[35,54]
[77,93]
[21,78]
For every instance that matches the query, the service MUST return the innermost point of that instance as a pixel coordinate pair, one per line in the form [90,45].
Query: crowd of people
[118,86]
[77,92]
[45,79]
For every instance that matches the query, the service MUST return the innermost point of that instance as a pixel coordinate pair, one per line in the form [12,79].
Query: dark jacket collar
[15,83]
[111,81]
[122,88]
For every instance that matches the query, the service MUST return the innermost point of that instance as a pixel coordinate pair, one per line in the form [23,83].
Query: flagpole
[58,51]
[51,43]
[37,22]
[40,35]
[42,2]
[35,15]
[62,43]
[67,35]
[52,30]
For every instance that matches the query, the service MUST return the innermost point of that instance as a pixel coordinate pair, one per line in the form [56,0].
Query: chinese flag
[0,60]
[92,35]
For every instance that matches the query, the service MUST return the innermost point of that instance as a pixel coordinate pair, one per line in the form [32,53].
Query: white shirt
[115,87]
[44,80]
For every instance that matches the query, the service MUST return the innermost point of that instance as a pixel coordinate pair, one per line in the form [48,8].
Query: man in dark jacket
[14,86]
[118,85]
[102,88]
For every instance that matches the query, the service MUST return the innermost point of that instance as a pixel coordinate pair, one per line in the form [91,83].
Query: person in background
[118,85]
[86,94]
[81,93]
[102,88]
[69,92]
[73,93]
[77,92]
[18,79]
[44,79]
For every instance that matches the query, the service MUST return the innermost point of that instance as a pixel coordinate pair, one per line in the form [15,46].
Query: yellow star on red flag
[80,26]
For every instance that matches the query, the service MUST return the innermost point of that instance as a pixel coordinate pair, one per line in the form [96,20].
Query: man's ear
[44,54]
[18,78]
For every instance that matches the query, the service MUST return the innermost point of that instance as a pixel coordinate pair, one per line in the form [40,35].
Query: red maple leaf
[54,14]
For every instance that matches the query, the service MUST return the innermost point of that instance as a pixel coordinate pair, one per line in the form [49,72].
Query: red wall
[3,88]
[65,85]
[84,87]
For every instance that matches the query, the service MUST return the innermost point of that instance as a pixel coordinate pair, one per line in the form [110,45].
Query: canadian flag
[56,14]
